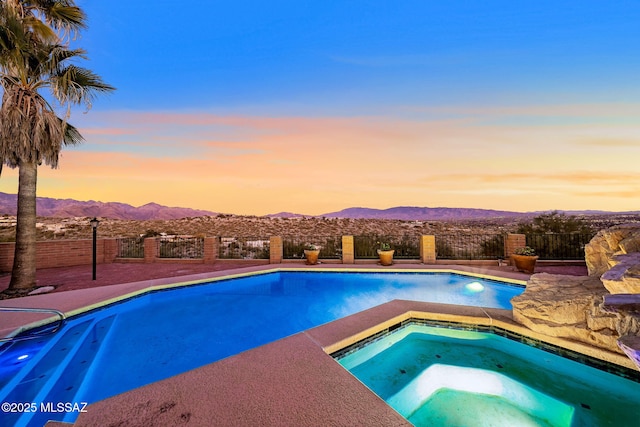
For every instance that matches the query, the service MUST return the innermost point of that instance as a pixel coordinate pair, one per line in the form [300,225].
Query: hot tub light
[475,287]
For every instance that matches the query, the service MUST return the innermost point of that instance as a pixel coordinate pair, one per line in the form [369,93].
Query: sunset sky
[257,107]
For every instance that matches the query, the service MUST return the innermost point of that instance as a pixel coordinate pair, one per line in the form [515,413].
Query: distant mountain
[64,208]
[422,214]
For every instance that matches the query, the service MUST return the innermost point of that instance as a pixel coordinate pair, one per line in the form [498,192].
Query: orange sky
[279,106]
[520,159]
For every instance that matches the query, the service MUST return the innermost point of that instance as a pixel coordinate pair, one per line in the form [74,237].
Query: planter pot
[524,263]
[386,257]
[312,256]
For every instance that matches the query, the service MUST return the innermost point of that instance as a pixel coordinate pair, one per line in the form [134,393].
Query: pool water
[436,376]
[161,334]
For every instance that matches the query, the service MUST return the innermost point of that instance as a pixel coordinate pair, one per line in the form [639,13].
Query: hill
[413,213]
[65,208]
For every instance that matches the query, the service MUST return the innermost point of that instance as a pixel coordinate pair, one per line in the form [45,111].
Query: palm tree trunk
[23,274]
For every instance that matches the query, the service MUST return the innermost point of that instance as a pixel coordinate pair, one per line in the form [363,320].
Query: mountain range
[65,208]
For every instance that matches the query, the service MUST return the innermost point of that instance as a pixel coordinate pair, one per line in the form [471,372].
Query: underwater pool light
[475,287]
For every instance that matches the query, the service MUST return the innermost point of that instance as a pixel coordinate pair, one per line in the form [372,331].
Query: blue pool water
[161,334]
[445,377]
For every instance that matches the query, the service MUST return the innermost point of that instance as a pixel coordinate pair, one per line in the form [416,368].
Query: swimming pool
[160,334]
[439,376]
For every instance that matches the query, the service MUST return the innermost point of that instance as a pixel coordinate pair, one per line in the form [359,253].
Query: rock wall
[601,309]
[571,307]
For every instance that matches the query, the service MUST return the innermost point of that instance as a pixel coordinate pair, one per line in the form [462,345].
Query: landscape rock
[622,303]
[41,290]
[624,276]
[571,307]
[602,250]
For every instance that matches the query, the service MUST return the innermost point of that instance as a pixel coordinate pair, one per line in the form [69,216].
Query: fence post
[150,250]
[428,249]
[211,249]
[513,242]
[275,250]
[347,250]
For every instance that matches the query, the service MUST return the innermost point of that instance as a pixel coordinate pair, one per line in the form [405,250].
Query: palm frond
[40,29]
[64,15]
[60,15]
[72,135]
[30,131]
[77,85]
[34,57]
[58,54]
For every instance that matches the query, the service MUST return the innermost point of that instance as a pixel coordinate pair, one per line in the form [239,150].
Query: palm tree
[34,56]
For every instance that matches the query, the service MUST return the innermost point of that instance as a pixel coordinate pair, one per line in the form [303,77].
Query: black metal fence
[130,247]
[406,247]
[548,246]
[470,246]
[559,246]
[330,246]
[181,247]
[243,248]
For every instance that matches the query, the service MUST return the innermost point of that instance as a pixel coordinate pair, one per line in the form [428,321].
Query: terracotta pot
[386,257]
[312,256]
[524,263]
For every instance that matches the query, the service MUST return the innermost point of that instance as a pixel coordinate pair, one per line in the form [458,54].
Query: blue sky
[229,106]
[347,54]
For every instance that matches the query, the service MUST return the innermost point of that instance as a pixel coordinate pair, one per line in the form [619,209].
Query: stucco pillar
[211,245]
[513,242]
[150,250]
[347,250]
[275,250]
[428,249]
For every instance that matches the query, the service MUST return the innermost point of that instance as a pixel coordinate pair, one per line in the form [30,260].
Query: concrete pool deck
[292,381]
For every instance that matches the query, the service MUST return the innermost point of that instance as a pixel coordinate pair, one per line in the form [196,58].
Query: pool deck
[290,382]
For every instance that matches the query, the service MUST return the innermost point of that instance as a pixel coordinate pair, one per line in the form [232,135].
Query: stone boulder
[609,243]
[571,307]
[614,255]
[624,276]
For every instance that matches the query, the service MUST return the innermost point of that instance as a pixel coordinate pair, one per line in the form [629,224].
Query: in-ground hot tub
[439,376]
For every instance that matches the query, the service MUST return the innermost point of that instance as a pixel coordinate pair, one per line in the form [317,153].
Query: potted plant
[311,253]
[385,253]
[524,259]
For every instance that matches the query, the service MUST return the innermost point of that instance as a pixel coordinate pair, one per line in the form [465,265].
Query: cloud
[260,164]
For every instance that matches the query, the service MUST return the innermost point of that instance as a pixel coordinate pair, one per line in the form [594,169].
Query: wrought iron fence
[406,246]
[330,246]
[243,248]
[559,246]
[181,247]
[130,247]
[469,246]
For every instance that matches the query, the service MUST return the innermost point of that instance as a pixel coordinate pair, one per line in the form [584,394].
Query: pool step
[54,374]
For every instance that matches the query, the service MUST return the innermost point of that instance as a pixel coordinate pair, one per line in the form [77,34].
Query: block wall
[61,253]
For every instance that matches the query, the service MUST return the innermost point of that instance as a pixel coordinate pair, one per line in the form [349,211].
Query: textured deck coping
[292,381]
